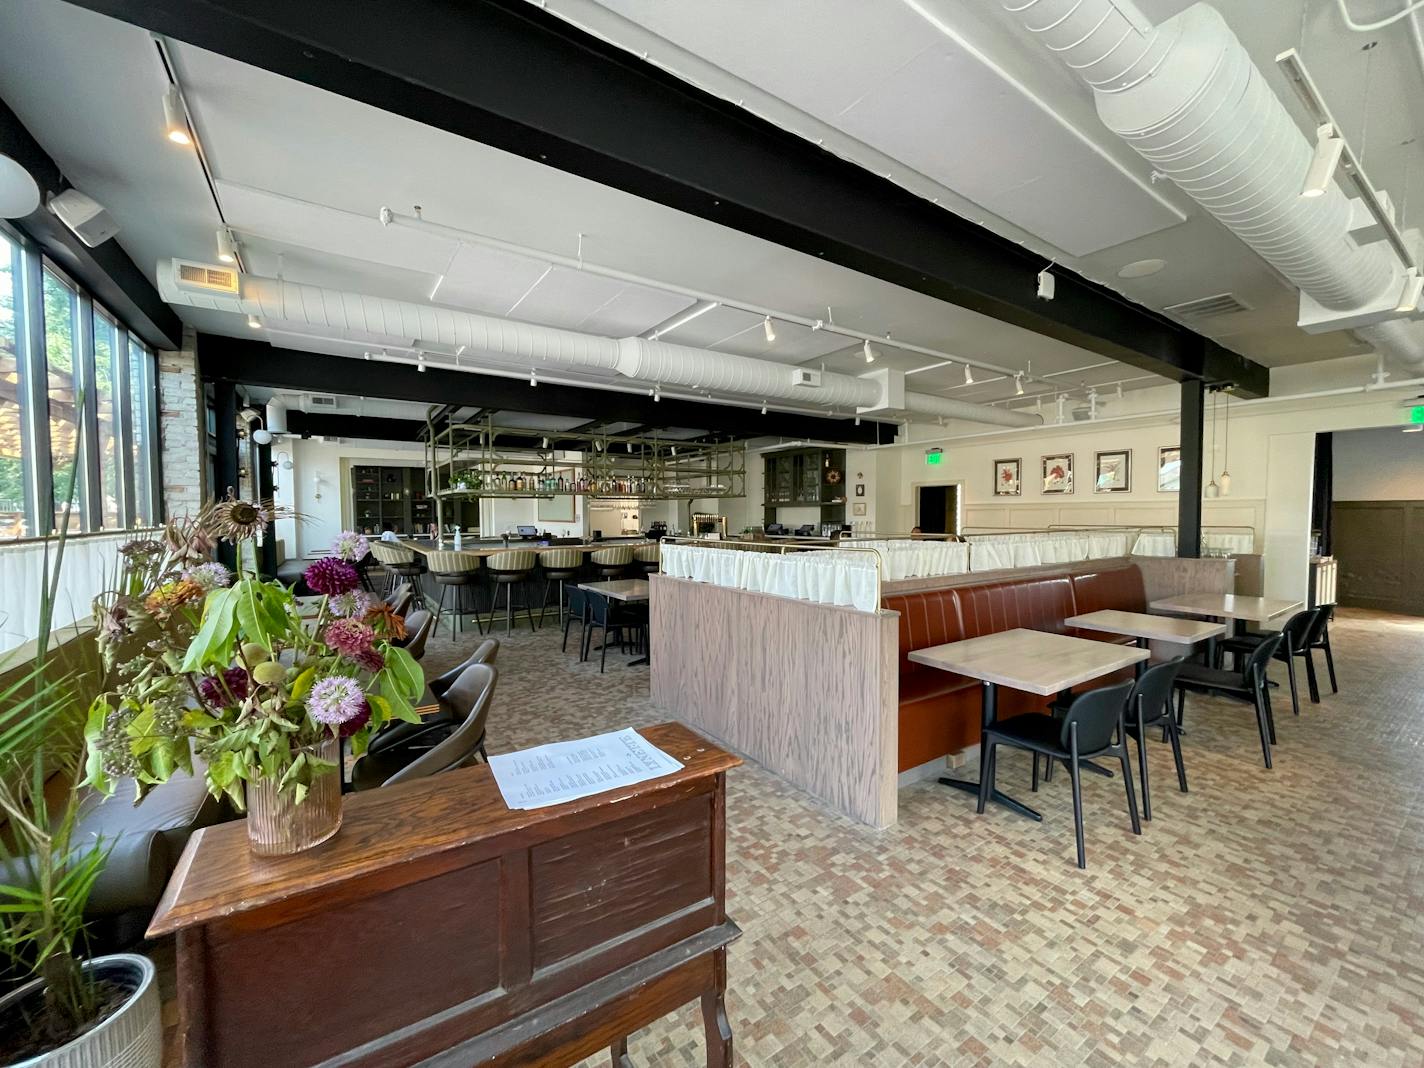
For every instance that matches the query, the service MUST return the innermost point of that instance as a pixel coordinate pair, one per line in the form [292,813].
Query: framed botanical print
[1169,469]
[858,508]
[1008,478]
[1113,471]
[1058,473]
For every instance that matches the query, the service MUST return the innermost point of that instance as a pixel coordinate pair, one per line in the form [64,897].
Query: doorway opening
[937,508]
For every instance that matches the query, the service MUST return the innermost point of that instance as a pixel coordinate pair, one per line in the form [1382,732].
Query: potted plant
[259,686]
[72,1013]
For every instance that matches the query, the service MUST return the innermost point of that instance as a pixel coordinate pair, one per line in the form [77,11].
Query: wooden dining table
[1035,661]
[1144,628]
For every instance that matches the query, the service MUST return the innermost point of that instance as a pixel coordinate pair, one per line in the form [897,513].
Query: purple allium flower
[336,699]
[350,546]
[353,604]
[331,576]
[356,722]
[349,637]
[210,576]
[371,660]
[233,686]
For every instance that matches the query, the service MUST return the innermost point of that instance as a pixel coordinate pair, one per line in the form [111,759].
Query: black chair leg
[1127,782]
[1261,724]
[1077,778]
[986,773]
[1270,713]
[1034,787]
[1290,670]
[568,622]
[1177,756]
[1142,768]
[1329,661]
[1310,681]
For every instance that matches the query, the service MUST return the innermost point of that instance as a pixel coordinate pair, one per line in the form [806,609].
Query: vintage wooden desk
[441,928]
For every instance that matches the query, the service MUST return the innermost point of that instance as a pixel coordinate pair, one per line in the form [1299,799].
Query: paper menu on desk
[565,771]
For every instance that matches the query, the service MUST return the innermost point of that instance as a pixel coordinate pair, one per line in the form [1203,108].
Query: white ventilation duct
[401,324]
[1188,98]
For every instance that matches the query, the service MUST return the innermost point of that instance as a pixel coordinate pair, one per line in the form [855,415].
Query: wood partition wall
[808,691]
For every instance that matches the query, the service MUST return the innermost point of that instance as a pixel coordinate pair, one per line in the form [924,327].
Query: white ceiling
[301,175]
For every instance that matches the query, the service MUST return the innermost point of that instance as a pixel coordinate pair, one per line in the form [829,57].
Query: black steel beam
[512,75]
[106,270]
[1189,495]
[256,363]
[226,460]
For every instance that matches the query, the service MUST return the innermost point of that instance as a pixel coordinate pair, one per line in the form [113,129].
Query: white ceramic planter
[131,1038]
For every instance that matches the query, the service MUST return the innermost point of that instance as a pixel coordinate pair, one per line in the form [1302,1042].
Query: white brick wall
[180,426]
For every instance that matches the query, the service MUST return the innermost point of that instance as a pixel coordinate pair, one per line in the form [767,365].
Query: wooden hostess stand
[441,928]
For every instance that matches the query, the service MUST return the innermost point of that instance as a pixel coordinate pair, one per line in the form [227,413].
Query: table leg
[991,701]
[718,1029]
[618,1054]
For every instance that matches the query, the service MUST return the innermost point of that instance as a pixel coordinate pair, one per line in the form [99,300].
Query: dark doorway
[937,510]
[1377,545]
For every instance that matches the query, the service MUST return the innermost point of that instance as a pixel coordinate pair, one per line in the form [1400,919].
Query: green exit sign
[933,456]
[1416,414]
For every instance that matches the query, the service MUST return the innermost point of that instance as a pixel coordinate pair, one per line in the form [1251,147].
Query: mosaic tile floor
[1265,918]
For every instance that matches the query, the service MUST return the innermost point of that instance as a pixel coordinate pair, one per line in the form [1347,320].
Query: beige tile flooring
[1264,918]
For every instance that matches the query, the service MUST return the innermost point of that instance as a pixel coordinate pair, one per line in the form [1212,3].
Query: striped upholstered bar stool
[508,569]
[613,562]
[559,566]
[460,571]
[648,557]
[400,563]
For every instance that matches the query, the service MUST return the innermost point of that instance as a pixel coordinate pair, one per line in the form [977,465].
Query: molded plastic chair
[614,618]
[1092,726]
[508,569]
[1318,637]
[1248,685]
[1150,705]
[613,562]
[471,695]
[576,611]
[559,566]
[1294,636]
[460,571]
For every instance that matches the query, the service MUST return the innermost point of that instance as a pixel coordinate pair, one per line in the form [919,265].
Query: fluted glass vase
[277,826]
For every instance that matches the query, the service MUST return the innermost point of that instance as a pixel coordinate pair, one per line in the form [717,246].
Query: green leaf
[197,719]
[302,685]
[402,669]
[213,642]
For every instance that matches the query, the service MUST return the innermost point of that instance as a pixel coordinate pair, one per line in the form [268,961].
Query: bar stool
[648,557]
[507,569]
[559,565]
[400,563]
[458,570]
[612,563]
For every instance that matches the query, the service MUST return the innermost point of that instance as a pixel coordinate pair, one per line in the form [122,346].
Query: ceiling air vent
[1208,307]
[322,400]
[805,376]
[205,278]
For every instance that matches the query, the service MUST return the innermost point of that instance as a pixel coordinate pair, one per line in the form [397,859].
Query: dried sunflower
[237,520]
[385,621]
[162,601]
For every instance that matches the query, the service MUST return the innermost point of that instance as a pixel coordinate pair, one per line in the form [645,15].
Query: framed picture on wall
[1169,469]
[858,508]
[1113,473]
[1008,477]
[1058,473]
[860,489]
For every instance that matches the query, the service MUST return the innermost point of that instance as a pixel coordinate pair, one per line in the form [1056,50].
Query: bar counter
[489,546]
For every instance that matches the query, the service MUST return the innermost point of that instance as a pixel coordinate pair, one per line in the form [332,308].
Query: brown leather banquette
[940,711]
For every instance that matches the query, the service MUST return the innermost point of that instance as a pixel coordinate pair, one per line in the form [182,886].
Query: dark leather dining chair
[435,727]
[472,693]
[418,626]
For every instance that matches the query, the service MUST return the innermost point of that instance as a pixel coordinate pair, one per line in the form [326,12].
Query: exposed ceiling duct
[1188,98]
[379,321]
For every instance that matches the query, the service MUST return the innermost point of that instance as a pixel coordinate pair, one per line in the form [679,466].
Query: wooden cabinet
[394,495]
[801,478]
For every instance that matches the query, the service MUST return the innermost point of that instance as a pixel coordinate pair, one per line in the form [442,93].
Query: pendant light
[1211,487]
[1224,482]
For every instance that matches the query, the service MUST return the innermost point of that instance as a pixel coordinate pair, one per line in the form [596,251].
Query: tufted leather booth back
[1115,587]
[1033,604]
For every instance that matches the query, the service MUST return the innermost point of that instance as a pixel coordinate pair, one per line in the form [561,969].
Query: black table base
[991,706]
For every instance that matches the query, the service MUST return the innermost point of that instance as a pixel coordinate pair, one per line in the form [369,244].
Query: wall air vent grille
[1208,307]
[322,400]
[204,278]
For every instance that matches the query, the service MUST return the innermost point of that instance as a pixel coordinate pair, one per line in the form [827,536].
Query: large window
[12,469]
[78,406]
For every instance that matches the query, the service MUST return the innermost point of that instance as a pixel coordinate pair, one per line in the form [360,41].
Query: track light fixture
[763,407]
[857,420]
[175,120]
[968,376]
[767,329]
[420,363]
[1329,146]
[657,391]
[868,351]
[227,248]
[1413,289]
[533,377]
[254,322]
[674,450]
[1018,384]
[544,444]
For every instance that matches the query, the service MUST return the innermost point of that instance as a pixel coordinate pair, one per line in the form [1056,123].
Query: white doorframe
[958,500]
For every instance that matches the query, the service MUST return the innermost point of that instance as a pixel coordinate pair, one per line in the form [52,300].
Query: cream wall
[324,510]
[1379,465]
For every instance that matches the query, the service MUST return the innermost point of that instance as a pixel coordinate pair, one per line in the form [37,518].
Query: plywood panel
[808,691]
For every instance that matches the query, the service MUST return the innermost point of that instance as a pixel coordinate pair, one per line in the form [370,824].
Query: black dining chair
[1150,705]
[434,727]
[1247,685]
[1294,636]
[613,618]
[576,611]
[418,626]
[472,694]
[400,598]
[1318,637]
[1092,727]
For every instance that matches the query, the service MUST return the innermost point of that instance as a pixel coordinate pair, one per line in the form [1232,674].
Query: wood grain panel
[325,1009]
[1167,576]
[808,691]
[593,887]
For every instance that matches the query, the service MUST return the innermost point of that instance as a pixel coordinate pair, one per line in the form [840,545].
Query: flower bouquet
[233,675]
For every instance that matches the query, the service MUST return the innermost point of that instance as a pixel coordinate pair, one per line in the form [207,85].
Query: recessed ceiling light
[1141,268]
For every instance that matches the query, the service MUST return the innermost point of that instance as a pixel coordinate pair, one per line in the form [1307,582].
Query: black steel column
[262,486]
[1189,497]
[1322,498]
[226,463]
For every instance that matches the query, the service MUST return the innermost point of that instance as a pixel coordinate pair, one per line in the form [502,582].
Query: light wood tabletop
[620,589]
[1227,606]
[1150,628]
[1031,660]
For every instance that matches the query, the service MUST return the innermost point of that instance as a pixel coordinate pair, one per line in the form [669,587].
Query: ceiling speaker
[84,215]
